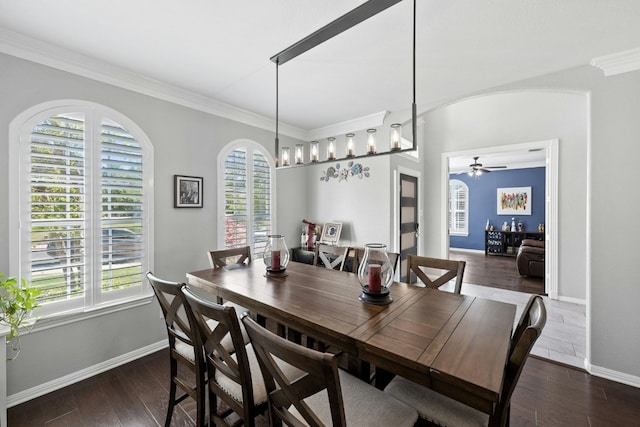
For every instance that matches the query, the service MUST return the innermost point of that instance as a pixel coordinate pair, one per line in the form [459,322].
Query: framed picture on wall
[187,191]
[514,201]
[331,233]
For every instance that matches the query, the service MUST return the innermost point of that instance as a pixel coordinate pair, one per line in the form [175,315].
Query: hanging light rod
[343,23]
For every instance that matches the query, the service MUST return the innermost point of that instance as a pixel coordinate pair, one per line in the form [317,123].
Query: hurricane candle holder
[375,274]
[276,255]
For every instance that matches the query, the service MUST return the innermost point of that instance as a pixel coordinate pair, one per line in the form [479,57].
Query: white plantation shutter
[122,198]
[58,207]
[247,198]
[235,185]
[84,223]
[261,202]
[458,208]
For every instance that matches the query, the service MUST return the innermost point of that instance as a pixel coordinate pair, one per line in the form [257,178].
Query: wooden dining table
[455,344]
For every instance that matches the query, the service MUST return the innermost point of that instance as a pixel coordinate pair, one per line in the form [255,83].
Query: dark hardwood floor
[496,272]
[548,394]
[135,394]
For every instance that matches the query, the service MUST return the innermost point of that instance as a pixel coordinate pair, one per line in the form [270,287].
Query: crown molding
[371,121]
[618,63]
[34,50]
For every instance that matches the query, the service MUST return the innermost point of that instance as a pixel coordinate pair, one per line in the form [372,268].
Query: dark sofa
[530,259]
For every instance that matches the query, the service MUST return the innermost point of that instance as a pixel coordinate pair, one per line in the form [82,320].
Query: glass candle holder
[375,274]
[313,152]
[371,141]
[395,137]
[351,148]
[299,154]
[276,254]
[285,156]
[331,148]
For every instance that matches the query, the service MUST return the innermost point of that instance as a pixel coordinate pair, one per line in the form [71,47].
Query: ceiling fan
[477,169]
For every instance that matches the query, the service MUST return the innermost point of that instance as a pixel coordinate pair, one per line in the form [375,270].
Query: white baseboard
[42,389]
[572,300]
[612,375]
[475,251]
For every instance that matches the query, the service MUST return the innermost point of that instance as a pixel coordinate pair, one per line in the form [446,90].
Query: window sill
[61,319]
[459,234]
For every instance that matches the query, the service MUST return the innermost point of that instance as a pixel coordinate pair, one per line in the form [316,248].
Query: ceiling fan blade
[496,167]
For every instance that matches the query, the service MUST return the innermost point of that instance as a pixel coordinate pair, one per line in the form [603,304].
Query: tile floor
[564,336]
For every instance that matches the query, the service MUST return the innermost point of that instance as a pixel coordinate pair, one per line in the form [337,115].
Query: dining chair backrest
[223,257]
[181,332]
[330,256]
[359,255]
[228,365]
[439,409]
[526,334]
[321,373]
[314,392]
[443,269]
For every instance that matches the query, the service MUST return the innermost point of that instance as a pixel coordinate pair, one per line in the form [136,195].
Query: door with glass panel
[409,226]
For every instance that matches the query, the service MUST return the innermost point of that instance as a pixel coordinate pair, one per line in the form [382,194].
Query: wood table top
[455,344]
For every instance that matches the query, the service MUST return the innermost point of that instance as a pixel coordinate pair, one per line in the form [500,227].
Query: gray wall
[185,142]
[596,204]
[600,178]
[512,118]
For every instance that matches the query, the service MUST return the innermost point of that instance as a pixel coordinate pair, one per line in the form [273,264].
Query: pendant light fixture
[341,24]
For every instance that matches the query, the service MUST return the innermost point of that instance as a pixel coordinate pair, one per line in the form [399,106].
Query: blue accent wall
[483,203]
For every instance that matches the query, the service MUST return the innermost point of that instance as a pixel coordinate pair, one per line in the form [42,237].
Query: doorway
[409,226]
[550,150]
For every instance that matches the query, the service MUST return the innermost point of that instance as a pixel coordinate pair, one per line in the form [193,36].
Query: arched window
[458,208]
[83,199]
[246,210]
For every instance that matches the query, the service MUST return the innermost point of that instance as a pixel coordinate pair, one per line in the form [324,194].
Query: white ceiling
[220,50]
[512,159]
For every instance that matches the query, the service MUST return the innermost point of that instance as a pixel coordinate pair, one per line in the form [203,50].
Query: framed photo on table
[331,233]
[187,191]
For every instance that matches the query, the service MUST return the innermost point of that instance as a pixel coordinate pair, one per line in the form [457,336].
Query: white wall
[506,118]
[362,205]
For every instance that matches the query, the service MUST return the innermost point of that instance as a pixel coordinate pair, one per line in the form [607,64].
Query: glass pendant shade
[299,154]
[375,274]
[285,156]
[276,254]
[313,152]
[331,148]
[351,148]
[395,137]
[371,141]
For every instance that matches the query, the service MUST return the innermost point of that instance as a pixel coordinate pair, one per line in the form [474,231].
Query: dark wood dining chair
[442,270]
[330,256]
[359,255]
[232,369]
[182,343]
[444,411]
[224,257]
[230,258]
[322,394]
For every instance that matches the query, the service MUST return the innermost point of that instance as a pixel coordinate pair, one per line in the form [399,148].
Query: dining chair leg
[172,393]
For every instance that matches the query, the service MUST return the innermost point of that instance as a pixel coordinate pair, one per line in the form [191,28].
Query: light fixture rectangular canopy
[343,23]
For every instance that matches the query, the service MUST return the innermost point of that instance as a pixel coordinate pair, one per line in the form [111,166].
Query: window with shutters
[84,200]
[247,198]
[458,208]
